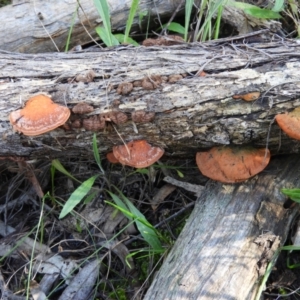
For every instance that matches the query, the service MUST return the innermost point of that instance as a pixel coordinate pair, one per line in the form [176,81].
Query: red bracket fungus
[232,164]
[248,97]
[290,123]
[39,116]
[137,154]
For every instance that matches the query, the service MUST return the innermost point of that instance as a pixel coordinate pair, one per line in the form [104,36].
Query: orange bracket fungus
[111,158]
[39,116]
[248,97]
[137,154]
[290,123]
[232,164]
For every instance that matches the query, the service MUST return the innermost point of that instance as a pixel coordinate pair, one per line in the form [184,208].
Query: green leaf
[180,174]
[90,197]
[262,13]
[278,5]
[176,27]
[147,231]
[121,38]
[294,194]
[133,9]
[58,166]
[240,5]
[107,38]
[142,14]
[104,13]
[188,10]
[142,171]
[290,248]
[77,196]
[96,153]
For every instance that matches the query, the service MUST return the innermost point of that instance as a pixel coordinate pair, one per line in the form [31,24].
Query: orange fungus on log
[137,154]
[111,158]
[248,97]
[39,116]
[232,164]
[290,123]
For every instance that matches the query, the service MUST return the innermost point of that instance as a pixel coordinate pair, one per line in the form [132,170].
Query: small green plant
[292,12]
[207,11]
[257,12]
[148,232]
[83,191]
[104,31]
[293,194]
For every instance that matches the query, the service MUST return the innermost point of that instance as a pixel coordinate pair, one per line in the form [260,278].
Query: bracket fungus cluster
[39,116]
[232,164]
[136,154]
[290,123]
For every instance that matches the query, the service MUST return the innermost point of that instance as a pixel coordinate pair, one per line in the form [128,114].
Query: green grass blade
[96,153]
[77,196]
[58,166]
[290,248]
[294,194]
[205,30]
[121,37]
[71,28]
[188,11]
[132,12]
[104,13]
[147,231]
[120,205]
[218,22]
[262,13]
[278,5]
[176,27]
[107,38]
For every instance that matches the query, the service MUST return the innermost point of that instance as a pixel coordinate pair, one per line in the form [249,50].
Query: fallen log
[191,112]
[45,26]
[232,234]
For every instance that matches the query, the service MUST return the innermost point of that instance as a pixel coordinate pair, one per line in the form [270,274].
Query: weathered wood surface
[231,235]
[191,114]
[28,25]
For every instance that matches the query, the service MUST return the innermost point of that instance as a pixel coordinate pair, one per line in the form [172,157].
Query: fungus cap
[137,154]
[290,123]
[232,164]
[39,116]
[248,97]
[111,158]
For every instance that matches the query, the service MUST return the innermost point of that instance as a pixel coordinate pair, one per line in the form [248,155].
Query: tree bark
[230,237]
[191,114]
